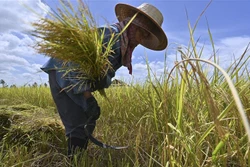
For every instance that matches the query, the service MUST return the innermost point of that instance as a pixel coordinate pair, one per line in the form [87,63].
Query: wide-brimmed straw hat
[150,19]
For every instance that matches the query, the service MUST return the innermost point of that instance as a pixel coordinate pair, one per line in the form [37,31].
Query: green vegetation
[188,119]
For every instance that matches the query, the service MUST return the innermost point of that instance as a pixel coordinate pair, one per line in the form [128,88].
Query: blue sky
[228,21]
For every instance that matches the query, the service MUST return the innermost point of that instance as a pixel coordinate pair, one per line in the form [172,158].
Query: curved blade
[99,143]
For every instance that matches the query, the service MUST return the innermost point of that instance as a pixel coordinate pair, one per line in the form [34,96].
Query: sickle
[99,143]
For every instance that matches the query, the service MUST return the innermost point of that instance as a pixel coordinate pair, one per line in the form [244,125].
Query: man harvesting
[75,103]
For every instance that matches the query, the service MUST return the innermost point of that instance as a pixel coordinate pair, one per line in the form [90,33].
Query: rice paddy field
[194,115]
[188,119]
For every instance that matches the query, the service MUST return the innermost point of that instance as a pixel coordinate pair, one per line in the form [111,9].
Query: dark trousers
[72,115]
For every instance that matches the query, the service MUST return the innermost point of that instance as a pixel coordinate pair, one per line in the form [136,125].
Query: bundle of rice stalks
[72,36]
[20,126]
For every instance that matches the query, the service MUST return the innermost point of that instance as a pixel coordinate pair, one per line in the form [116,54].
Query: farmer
[77,105]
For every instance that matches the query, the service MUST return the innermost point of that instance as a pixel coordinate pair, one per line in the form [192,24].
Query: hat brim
[124,11]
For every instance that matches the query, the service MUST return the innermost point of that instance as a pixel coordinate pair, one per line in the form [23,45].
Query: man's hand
[100,84]
[93,110]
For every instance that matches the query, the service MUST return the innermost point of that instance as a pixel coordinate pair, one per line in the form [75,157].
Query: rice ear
[71,35]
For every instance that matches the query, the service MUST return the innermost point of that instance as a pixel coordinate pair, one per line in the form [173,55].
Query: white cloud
[140,66]
[12,60]
[140,71]
[18,45]
[17,15]
[227,50]
[33,68]
[11,41]
[17,58]
[233,45]
[5,69]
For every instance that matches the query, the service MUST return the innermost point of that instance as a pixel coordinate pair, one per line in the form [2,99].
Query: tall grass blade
[233,91]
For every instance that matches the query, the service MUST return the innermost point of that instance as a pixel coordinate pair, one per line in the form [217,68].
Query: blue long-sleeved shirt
[76,92]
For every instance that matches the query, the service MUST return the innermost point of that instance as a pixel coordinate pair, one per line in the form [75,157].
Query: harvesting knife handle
[99,143]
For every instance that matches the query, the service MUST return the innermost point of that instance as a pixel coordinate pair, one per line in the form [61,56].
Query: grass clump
[28,132]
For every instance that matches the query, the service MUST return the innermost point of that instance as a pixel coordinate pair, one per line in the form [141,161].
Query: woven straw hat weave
[150,19]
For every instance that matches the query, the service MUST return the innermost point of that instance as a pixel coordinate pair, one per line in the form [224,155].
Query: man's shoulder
[109,29]
[51,64]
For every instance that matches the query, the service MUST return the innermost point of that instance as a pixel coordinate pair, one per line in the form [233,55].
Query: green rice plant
[234,93]
[72,36]
[145,117]
[36,96]
[217,118]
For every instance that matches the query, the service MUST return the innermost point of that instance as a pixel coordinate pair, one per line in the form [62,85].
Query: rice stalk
[153,98]
[219,146]
[233,91]
[220,117]
[216,74]
[72,36]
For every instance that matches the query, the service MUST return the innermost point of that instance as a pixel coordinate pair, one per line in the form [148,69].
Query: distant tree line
[115,82]
[35,84]
[3,83]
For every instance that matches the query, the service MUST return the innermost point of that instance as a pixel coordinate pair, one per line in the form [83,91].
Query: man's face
[137,34]
[141,34]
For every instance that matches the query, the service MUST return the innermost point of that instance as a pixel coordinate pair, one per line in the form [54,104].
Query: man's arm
[93,109]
